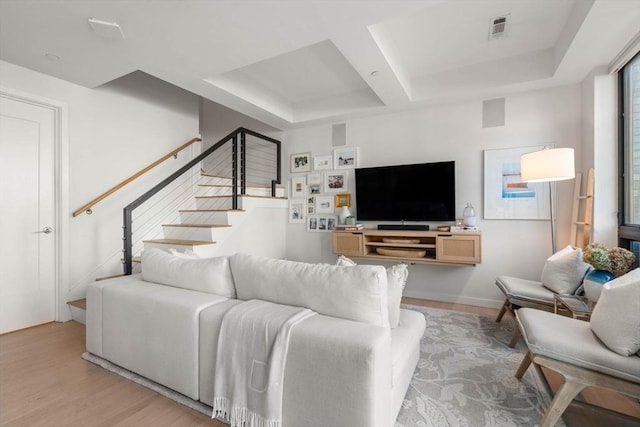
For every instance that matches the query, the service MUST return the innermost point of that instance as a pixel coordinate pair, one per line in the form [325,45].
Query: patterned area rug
[465,376]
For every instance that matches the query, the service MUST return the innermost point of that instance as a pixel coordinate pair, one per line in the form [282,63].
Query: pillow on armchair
[616,317]
[396,280]
[564,271]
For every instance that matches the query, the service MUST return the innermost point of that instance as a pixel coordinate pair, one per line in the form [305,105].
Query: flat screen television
[419,192]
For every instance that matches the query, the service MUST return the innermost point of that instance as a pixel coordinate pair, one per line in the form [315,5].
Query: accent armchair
[602,353]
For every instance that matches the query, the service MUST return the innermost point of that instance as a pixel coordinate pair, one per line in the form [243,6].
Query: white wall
[113,132]
[454,132]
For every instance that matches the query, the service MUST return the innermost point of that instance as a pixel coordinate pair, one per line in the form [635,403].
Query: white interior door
[27,215]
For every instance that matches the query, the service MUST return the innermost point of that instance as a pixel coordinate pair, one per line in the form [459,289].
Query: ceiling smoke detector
[498,27]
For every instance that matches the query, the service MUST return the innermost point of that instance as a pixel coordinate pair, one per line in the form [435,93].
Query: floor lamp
[548,165]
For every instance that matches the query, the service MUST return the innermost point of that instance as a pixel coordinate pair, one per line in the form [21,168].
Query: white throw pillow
[616,316]
[564,271]
[358,293]
[185,254]
[396,281]
[210,275]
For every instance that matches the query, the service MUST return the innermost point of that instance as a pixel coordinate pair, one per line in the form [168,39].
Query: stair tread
[240,195]
[180,242]
[79,303]
[198,225]
[261,186]
[212,210]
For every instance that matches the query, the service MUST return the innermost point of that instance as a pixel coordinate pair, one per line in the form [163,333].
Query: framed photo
[298,186]
[322,163]
[325,205]
[297,210]
[314,189]
[311,209]
[311,200]
[505,195]
[321,223]
[335,182]
[314,178]
[345,157]
[343,199]
[301,162]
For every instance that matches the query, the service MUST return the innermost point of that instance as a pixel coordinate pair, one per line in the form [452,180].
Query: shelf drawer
[349,244]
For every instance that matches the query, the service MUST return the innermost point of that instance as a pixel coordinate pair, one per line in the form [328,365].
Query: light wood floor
[44,382]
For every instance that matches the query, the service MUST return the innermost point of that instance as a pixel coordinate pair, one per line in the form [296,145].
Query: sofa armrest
[338,373]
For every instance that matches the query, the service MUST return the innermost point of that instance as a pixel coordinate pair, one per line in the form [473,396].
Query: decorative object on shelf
[402,240]
[608,263]
[404,253]
[469,215]
[351,220]
[301,162]
[548,165]
[445,228]
[344,214]
[345,157]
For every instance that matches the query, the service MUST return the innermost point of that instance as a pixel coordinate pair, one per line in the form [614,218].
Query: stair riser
[196,233]
[203,251]
[221,203]
[222,218]
[227,191]
[214,180]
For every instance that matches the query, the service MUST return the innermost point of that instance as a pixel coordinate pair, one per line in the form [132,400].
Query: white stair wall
[213,228]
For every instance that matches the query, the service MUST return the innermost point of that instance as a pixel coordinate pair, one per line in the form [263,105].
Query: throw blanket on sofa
[252,351]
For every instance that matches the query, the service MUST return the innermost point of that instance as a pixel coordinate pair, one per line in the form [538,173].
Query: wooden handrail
[134,176]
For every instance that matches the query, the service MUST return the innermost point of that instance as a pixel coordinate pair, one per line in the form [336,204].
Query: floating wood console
[427,247]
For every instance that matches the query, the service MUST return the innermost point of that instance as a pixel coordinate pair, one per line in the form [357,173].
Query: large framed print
[335,182]
[345,157]
[505,195]
[301,162]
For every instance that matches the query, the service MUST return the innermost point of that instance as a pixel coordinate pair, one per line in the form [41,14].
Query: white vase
[469,216]
[344,213]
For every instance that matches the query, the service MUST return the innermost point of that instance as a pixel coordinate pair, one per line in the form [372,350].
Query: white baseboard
[458,299]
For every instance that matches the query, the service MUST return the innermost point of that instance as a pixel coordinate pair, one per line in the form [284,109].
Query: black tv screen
[419,192]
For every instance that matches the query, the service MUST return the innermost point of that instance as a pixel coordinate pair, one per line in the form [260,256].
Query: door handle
[47,230]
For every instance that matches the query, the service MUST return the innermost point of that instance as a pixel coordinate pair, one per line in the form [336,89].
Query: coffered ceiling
[294,63]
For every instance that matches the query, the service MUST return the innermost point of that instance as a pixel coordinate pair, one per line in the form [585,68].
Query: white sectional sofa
[345,366]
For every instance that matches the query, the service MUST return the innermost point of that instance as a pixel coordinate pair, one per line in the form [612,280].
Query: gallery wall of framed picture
[319,185]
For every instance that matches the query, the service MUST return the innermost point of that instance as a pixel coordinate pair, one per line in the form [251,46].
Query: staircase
[206,229]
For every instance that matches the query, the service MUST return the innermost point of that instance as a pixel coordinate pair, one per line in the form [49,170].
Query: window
[629,230]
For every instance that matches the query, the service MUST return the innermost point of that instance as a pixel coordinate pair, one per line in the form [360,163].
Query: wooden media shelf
[426,247]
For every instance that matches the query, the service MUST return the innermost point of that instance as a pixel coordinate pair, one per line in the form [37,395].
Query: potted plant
[608,263]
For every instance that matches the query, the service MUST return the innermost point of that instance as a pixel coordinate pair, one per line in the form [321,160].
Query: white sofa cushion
[358,293]
[396,281]
[564,271]
[210,275]
[616,316]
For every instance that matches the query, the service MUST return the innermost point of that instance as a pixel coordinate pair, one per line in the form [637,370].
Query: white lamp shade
[553,164]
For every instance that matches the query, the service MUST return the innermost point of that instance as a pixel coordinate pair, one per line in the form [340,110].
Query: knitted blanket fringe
[240,417]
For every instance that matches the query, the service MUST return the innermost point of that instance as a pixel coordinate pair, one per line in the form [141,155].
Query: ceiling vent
[498,27]
[110,30]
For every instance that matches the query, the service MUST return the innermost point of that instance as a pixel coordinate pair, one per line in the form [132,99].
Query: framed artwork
[324,205]
[505,195]
[311,209]
[311,200]
[345,157]
[322,163]
[314,189]
[321,223]
[314,178]
[298,186]
[343,199]
[297,210]
[335,182]
[301,162]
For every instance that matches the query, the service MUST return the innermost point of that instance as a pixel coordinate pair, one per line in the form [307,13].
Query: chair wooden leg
[524,365]
[503,310]
[515,338]
[565,394]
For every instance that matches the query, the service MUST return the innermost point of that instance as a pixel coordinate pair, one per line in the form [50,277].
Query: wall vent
[498,27]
